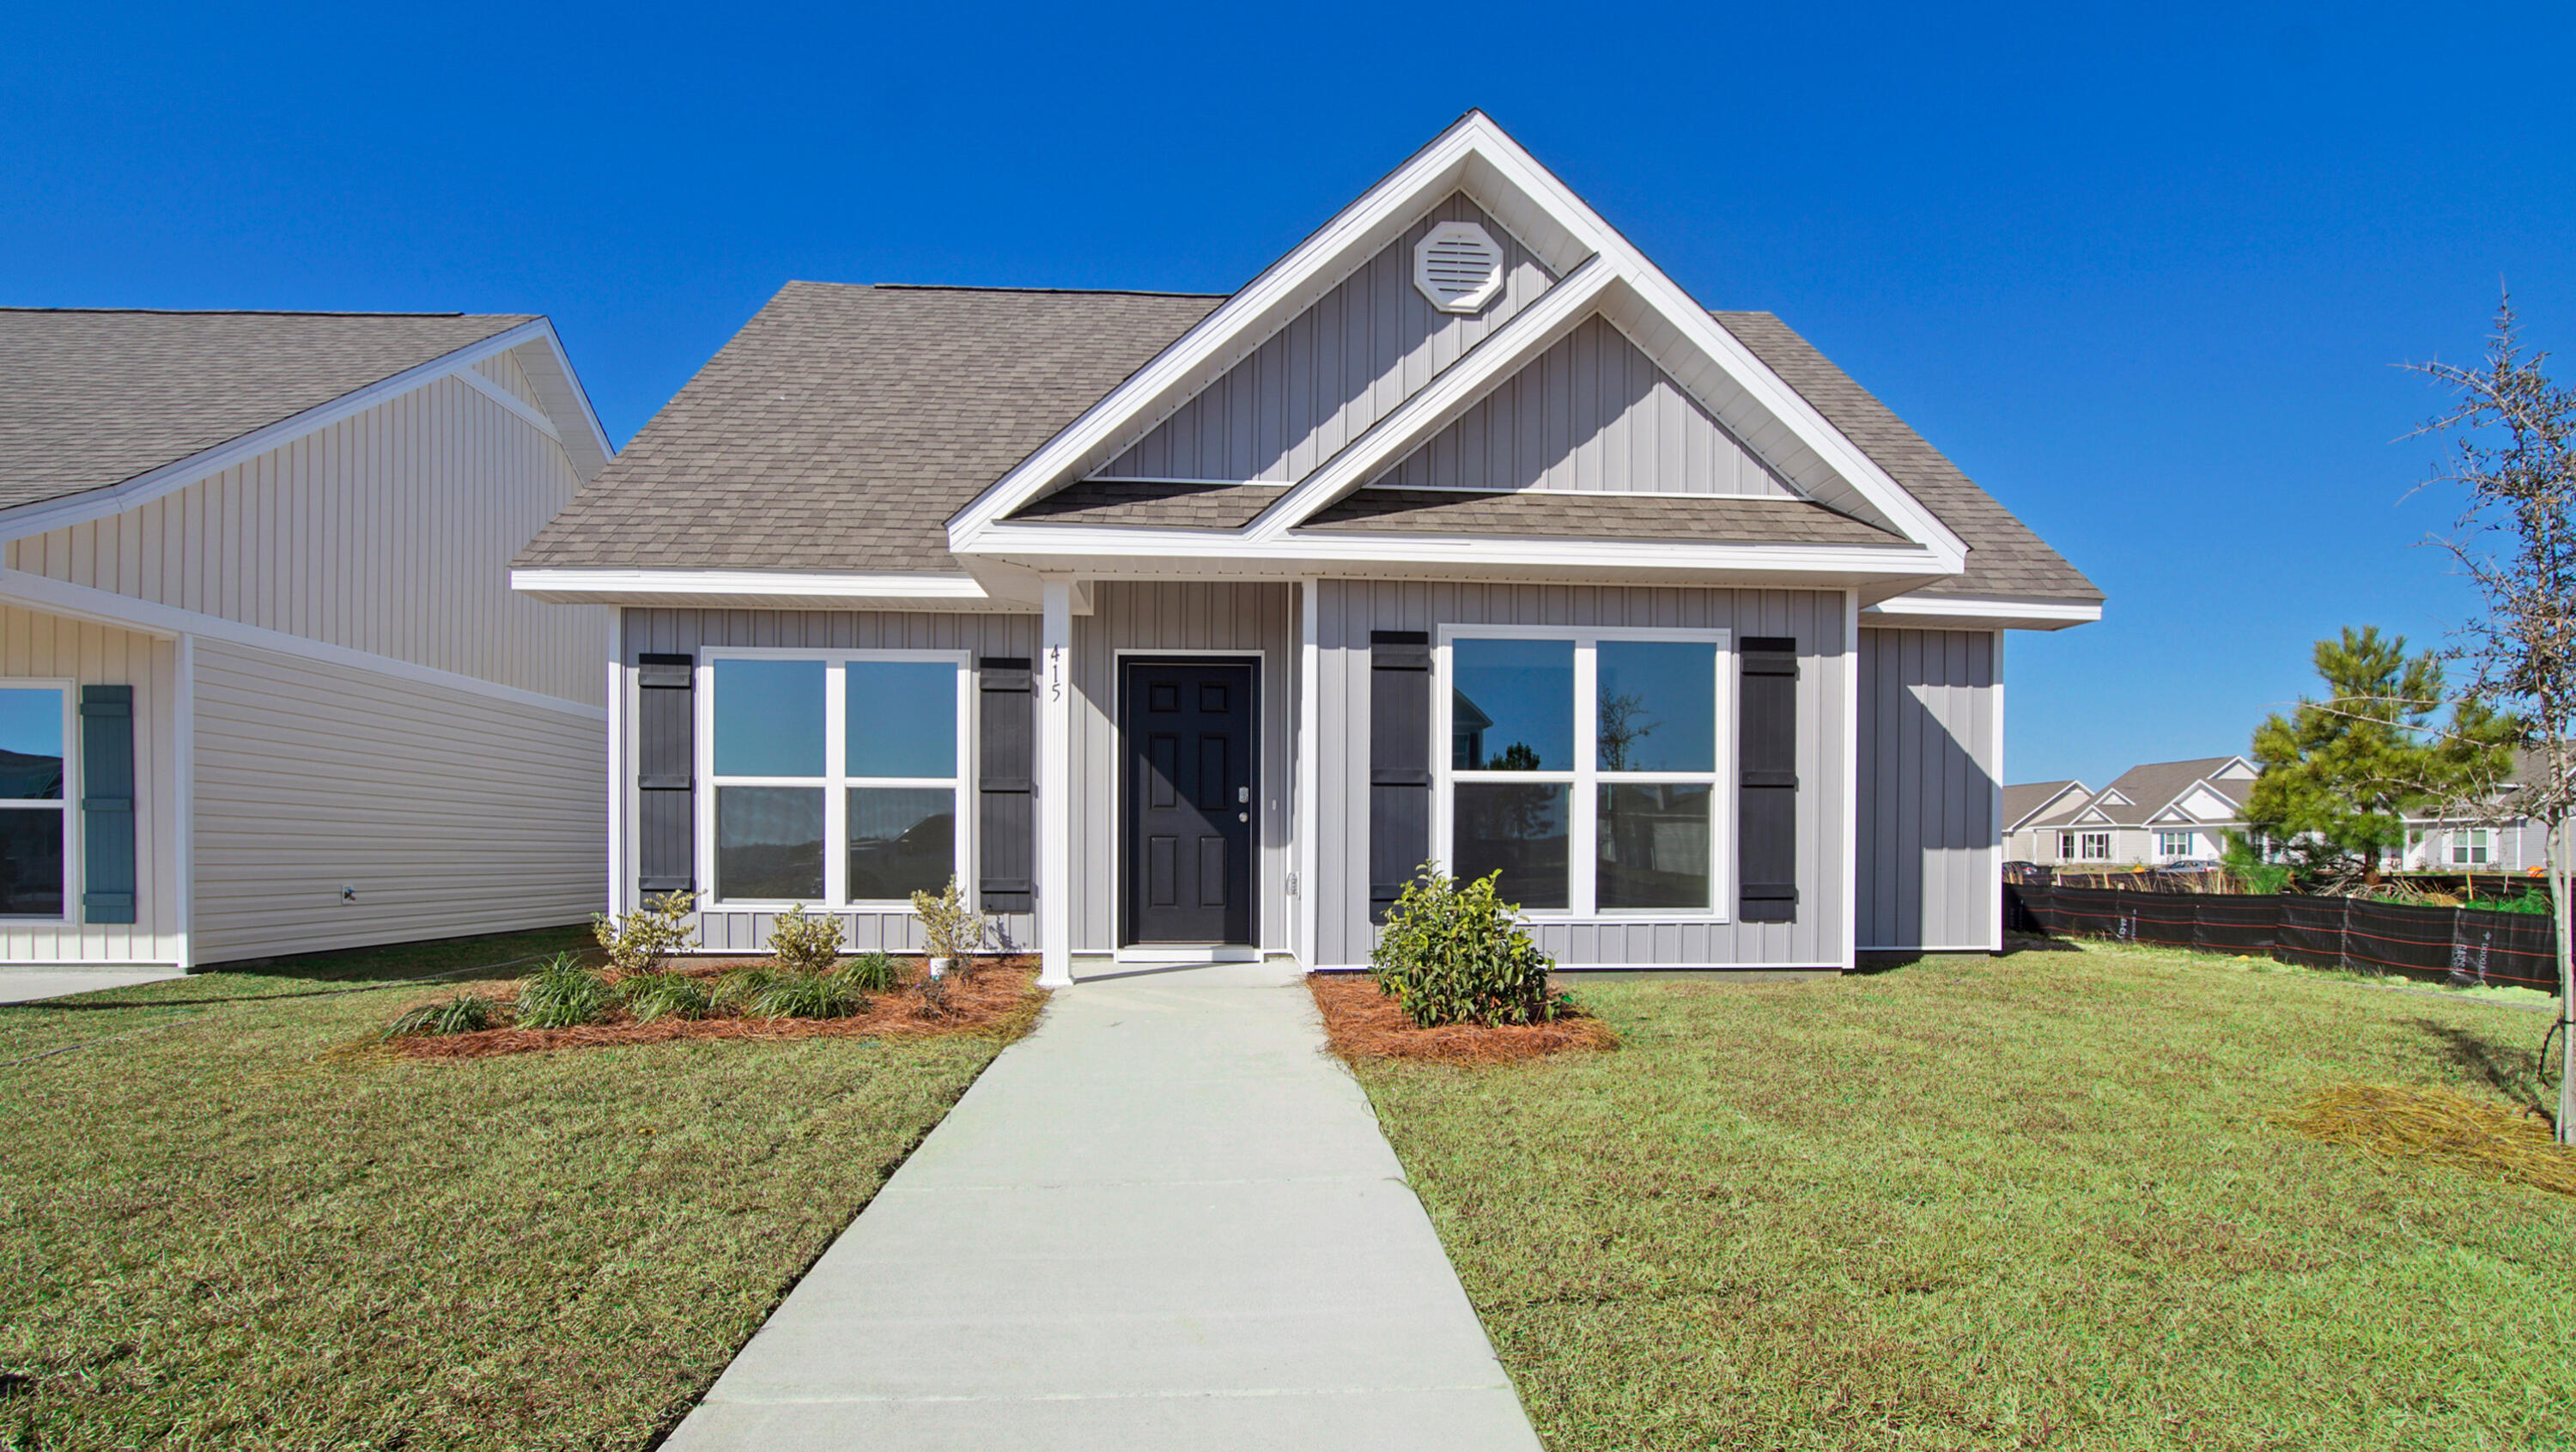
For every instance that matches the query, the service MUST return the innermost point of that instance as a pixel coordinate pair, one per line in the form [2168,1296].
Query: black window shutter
[666,761]
[1766,814]
[1006,753]
[107,804]
[1399,763]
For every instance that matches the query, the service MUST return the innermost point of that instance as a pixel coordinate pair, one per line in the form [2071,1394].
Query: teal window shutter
[107,804]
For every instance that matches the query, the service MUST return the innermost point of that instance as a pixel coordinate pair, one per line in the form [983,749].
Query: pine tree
[2340,774]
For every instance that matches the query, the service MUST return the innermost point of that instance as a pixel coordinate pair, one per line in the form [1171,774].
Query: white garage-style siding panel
[1930,859]
[1347,610]
[449,811]
[34,644]
[389,532]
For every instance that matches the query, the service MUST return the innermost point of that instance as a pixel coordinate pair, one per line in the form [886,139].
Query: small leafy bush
[638,941]
[805,995]
[2528,902]
[950,926]
[802,943]
[1452,953]
[564,994]
[463,1014]
[871,973]
[664,995]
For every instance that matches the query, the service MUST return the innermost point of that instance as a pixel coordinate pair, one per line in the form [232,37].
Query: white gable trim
[1474,156]
[473,378]
[52,514]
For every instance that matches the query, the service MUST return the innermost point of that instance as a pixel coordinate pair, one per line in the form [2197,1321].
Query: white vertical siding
[1334,370]
[450,812]
[1930,855]
[1591,413]
[36,644]
[389,532]
[687,632]
[1178,616]
[1348,610]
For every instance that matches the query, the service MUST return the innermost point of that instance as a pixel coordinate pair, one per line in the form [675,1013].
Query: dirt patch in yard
[998,998]
[1363,1023]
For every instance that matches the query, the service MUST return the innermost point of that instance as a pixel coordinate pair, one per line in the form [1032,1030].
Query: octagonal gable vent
[1458,267]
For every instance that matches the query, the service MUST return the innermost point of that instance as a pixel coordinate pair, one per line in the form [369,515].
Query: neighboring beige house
[264,688]
[2165,811]
[2496,840]
[1187,628]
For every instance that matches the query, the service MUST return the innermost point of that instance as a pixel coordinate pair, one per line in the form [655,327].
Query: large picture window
[835,779]
[35,825]
[1583,765]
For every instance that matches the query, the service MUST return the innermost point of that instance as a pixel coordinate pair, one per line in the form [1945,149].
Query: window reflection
[902,841]
[1520,830]
[1511,705]
[769,843]
[1658,704]
[1653,847]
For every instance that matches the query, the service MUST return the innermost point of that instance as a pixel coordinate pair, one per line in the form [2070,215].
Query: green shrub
[1454,954]
[564,994]
[2528,902]
[640,940]
[664,995]
[741,985]
[805,995]
[871,973]
[803,944]
[950,926]
[462,1014]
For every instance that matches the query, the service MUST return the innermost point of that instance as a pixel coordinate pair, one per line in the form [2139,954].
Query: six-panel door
[1190,800]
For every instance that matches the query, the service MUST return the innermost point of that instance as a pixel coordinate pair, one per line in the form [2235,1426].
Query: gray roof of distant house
[2028,797]
[845,424]
[2149,789]
[90,398]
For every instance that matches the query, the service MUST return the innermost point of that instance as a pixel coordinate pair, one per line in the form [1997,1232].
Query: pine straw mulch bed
[2411,1122]
[1000,997]
[1362,1023]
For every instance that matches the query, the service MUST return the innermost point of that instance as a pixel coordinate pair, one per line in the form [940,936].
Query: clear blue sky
[2144,276]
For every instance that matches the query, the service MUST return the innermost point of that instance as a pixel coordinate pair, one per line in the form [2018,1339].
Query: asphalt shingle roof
[2004,557]
[1687,518]
[844,424]
[91,398]
[2020,801]
[2149,789]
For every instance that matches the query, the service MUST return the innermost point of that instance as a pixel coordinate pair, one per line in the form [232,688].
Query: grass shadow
[2509,1072]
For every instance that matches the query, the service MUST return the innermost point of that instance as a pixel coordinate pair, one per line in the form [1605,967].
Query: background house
[1186,628]
[263,685]
[2028,803]
[2166,811]
[2493,838]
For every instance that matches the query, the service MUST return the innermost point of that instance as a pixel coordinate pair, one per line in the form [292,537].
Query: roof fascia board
[1961,612]
[169,622]
[573,584]
[566,401]
[1263,305]
[1059,540]
[48,515]
[534,418]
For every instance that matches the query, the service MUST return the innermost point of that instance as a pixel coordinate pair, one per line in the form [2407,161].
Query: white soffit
[1474,156]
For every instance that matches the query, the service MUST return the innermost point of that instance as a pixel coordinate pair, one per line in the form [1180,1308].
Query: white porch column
[1055,785]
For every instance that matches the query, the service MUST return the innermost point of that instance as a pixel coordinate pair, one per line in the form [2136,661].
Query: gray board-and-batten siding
[1348,611]
[1926,704]
[1930,849]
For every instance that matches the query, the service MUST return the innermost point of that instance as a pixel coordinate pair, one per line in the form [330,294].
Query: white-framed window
[2470,847]
[1586,765]
[36,792]
[834,778]
[2065,846]
[2174,844]
[2093,847]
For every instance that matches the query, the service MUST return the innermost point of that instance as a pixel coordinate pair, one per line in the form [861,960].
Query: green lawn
[245,1229]
[2018,1202]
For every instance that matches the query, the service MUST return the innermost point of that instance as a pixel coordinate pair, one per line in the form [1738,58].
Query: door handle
[1243,816]
[1243,794]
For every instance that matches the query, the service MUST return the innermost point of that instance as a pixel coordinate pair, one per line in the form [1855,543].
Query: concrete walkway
[1164,1220]
[27,985]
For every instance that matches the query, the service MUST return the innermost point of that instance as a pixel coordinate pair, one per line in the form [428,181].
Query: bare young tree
[2513,435]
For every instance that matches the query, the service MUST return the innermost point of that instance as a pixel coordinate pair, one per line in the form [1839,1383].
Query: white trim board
[172,623]
[48,515]
[585,586]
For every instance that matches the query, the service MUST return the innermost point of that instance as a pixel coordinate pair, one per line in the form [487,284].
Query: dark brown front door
[1191,798]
